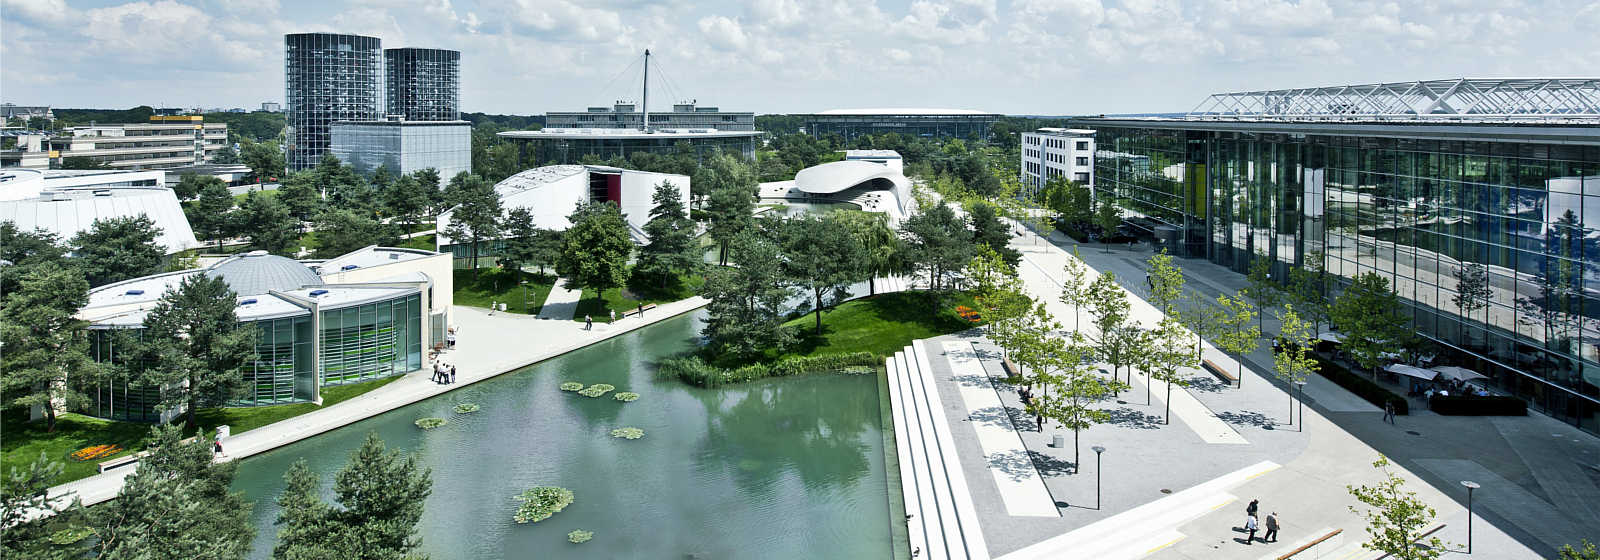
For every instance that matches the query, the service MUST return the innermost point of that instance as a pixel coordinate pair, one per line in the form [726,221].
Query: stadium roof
[910,112]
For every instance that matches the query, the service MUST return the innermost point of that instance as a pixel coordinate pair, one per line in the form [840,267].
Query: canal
[782,469]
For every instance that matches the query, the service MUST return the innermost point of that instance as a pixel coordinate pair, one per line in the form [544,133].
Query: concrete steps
[941,520]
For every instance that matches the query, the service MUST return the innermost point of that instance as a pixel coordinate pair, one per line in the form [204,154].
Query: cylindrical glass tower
[328,77]
[423,84]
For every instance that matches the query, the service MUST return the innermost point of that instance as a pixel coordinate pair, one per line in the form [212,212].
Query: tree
[527,245]
[732,189]
[746,313]
[1293,362]
[381,495]
[1166,355]
[1073,284]
[820,256]
[1206,321]
[1005,302]
[210,213]
[192,346]
[1308,290]
[884,252]
[1236,335]
[26,508]
[1166,282]
[405,200]
[1077,391]
[265,160]
[1472,288]
[343,187]
[381,178]
[176,505]
[189,185]
[1398,520]
[1108,311]
[989,231]
[475,217]
[1108,217]
[225,156]
[1588,552]
[116,249]
[267,222]
[82,162]
[341,231]
[300,193]
[1369,312]
[672,246]
[937,243]
[596,249]
[22,251]
[1263,291]
[46,346]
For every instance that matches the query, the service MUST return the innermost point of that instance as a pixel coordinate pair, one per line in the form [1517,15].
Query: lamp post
[1470,487]
[1097,451]
[1302,404]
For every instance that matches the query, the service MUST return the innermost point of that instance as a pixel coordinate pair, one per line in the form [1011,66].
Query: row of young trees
[178,504]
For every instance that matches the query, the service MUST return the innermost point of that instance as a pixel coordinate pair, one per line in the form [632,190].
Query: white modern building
[858,184]
[553,192]
[1057,152]
[889,158]
[405,146]
[165,141]
[67,202]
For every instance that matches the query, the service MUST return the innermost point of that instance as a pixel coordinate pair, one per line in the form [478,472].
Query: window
[1083,161]
[1080,177]
[1083,146]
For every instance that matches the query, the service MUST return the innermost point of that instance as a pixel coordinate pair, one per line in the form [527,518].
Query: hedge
[695,371]
[1478,406]
[1361,386]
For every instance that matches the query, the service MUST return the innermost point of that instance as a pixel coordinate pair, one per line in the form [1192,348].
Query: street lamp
[1302,404]
[1097,451]
[1470,487]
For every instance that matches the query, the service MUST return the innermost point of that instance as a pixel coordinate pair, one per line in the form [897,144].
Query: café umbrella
[1410,371]
[1463,374]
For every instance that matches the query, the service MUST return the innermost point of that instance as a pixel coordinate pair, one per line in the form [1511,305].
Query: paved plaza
[1179,489]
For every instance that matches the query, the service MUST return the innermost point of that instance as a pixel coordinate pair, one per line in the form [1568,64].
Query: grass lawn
[881,324]
[239,198]
[480,287]
[24,441]
[648,290]
[424,242]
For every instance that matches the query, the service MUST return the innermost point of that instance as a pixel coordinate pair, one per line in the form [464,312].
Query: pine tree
[25,250]
[475,214]
[192,345]
[821,257]
[937,243]
[342,231]
[210,213]
[176,505]
[46,358]
[989,231]
[268,223]
[672,246]
[381,495]
[732,188]
[24,493]
[745,315]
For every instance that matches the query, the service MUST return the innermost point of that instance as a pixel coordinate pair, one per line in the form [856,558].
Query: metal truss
[1472,99]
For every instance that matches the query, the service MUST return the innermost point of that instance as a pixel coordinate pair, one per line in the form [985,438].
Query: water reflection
[759,433]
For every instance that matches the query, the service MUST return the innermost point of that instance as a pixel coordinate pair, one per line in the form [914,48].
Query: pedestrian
[438,369]
[1255,505]
[1272,528]
[613,315]
[216,448]
[1388,412]
[450,338]
[452,374]
[1039,421]
[641,310]
[588,322]
[1148,281]
[1250,525]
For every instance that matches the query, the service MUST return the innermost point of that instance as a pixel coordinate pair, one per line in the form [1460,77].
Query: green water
[787,468]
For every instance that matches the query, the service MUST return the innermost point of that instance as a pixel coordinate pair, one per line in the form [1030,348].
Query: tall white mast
[646,104]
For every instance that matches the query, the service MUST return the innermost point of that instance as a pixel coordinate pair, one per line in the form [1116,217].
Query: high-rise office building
[423,84]
[328,78]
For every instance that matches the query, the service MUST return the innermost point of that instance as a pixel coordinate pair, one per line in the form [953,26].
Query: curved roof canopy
[830,178]
[258,272]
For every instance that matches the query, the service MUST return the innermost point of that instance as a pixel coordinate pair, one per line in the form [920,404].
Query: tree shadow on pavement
[1208,385]
[1050,465]
[1247,418]
[1010,418]
[1021,464]
[1130,418]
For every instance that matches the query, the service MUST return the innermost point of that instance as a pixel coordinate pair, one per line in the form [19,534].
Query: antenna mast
[646,99]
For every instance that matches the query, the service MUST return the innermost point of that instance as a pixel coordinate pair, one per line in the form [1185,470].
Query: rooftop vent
[251,301]
[315,293]
[102,193]
[394,256]
[133,293]
[350,267]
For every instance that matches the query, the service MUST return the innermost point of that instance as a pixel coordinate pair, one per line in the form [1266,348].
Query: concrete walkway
[487,346]
[562,303]
[1021,487]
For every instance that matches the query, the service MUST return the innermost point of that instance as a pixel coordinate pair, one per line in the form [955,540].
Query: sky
[1035,57]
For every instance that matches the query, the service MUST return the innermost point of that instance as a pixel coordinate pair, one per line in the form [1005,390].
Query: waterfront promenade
[487,344]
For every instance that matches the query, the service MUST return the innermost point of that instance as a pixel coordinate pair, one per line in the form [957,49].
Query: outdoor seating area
[1420,379]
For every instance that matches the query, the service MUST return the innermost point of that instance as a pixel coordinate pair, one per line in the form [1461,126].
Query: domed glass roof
[258,272]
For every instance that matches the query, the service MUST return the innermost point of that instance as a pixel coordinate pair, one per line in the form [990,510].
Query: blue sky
[789,56]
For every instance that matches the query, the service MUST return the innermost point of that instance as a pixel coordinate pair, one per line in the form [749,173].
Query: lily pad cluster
[466,408]
[597,390]
[430,423]
[579,536]
[541,502]
[856,370]
[626,396]
[572,386]
[629,433]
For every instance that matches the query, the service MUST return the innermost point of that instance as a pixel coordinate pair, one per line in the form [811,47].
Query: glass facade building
[1432,202]
[423,84]
[328,78]
[564,147]
[405,146]
[926,123]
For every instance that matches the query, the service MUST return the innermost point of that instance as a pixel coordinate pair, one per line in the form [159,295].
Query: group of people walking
[1250,524]
[443,373]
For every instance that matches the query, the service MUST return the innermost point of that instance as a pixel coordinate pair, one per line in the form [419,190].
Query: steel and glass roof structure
[1543,99]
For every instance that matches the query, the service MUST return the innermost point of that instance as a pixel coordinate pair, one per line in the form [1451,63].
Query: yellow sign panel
[55,153]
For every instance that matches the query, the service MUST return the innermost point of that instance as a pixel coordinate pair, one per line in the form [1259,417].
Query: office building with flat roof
[1048,153]
[164,142]
[1429,184]
[327,78]
[569,146]
[422,84]
[925,123]
[688,116]
[405,146]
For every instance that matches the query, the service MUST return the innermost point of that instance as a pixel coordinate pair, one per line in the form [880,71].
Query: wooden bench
[1219,371]
[639,311]
[126,460]
[1011,368]
[1324,544]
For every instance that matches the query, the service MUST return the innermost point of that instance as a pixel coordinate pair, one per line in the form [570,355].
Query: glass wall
[566,151]
[121,398]
[284,358]
[370,341]
[1516,222]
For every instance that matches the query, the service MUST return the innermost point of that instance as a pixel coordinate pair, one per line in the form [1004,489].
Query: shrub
[579,536]
[69,536]
[1478,406]
[695,371]
[571,386]
[541,502]
[430,423]
[1361,386]
[596,390]
[466,408]
[626,396]
[629,433]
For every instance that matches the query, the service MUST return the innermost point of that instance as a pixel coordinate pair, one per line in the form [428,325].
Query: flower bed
[94,452]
